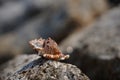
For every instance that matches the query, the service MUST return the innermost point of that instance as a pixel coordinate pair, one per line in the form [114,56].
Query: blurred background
[88,30]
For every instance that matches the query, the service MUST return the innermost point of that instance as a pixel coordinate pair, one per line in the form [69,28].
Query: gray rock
[96,49]
[33,67]
[101,39]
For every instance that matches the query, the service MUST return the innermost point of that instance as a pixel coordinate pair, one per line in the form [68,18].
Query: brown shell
[48,48]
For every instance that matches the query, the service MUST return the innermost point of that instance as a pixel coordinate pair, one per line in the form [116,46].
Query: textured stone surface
[32,67]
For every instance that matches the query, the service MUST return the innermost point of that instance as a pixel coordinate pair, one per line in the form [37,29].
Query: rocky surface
[96,49]
[33,67]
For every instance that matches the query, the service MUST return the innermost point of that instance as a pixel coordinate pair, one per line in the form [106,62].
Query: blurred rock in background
[96,49]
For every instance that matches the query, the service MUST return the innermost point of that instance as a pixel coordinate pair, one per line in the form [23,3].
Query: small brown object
[48,48]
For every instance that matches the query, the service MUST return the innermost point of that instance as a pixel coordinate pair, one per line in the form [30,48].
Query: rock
[33,67]
[101,38]
[96,49]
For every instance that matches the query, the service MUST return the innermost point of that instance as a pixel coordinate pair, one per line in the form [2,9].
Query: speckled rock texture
[33,67]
